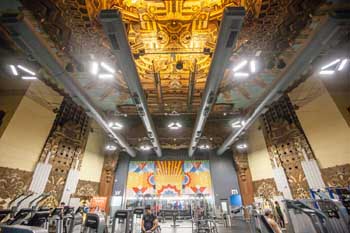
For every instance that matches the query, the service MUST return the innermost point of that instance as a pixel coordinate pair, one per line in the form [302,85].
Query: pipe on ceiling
[27,38]
[301,61]
[230,27]
[191,86]
[115,31]
[158,87]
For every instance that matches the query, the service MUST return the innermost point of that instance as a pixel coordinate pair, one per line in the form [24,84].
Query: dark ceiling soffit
[316,43]
[28,39]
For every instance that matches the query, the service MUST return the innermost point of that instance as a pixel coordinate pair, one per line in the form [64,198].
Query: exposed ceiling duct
[230,26]
[115,31]
[28,38]
[301,61]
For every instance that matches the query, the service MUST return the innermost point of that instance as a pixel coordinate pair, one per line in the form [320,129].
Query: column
[245,181]
[58,167]
[107,176]
[292,158]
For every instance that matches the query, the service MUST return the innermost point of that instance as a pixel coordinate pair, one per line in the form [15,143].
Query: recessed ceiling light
[26,70]
[238,124]
[105,76]
[342,64]
[115,125]
[240,65]
[111,147]
[94,68]
[330,64]
[145,147]
[241,75]
[107,67]
[204,147]
[242,146]
[327,72]
[252,66]
[13,70]
[174,125]
[28,77]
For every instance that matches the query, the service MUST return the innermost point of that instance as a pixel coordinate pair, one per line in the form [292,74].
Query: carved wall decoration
[245,181]
[107,176]
[87,189]
[265,188]
[337,176]
[287,144]
[65,145]
[12,183]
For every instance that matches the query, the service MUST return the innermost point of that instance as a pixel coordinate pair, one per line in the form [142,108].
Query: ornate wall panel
[244,176]
[86,190]
[107,176]
[265,188]
[287,144]
[65,145]
[337,176]
[12,183]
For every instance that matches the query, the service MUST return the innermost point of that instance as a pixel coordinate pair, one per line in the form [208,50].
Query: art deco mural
[168,178]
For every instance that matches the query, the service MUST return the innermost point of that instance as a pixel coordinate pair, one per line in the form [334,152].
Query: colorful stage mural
[168,178]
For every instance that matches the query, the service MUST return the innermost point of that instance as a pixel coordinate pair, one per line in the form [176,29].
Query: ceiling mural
[172,42]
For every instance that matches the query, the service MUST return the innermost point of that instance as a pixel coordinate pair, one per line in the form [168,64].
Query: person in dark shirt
[149,221]
[280,214]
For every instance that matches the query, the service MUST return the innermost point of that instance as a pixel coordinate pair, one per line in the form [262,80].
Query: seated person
[271,221]
[149,221]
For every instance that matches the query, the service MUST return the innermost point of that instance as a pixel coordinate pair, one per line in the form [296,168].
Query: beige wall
[8,104]
[326,130]
[25,135]
[93,157]
[258,156]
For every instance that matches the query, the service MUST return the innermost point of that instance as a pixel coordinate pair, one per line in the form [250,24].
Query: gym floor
[186,227]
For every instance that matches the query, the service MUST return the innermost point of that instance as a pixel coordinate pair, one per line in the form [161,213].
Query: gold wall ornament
[12,183]
[265,188]
[337,176]
[87,189]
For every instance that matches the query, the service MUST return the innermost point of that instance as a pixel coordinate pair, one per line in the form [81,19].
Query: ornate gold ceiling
[172,42]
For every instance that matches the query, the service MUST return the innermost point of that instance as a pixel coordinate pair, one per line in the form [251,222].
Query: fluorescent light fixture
[327,72]
[241,75]
[240,65]
[26,70]
[107,67]
[105,76]
[252,66]
[145,147]
[204,147]
[94,68]
[174,125]
[242,146]
[330,64]
[238,124]
[111,147]
[342,64]
[13,70]
[115,125]
[29,77]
